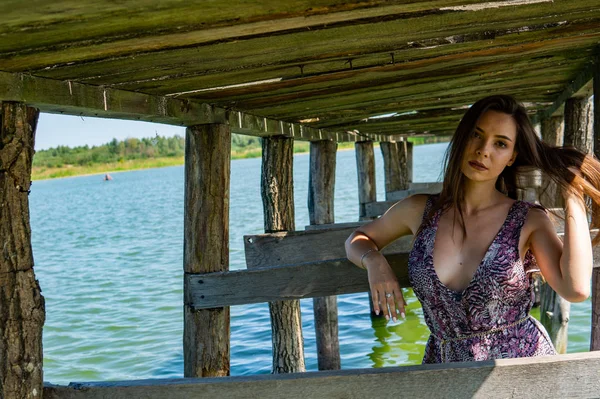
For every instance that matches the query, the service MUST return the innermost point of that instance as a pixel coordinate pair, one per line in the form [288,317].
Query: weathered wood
[378,208]
[395,165]
[321,188]
[553,134]
[365,165]
[292,281]
[578,123]
[579,85]
[595,333]
[554,315]
[206,246]
[492,379]
[22,310]
[409,162]
[74,98]
[334,226]
[285,283]
[294,247]
[277,191]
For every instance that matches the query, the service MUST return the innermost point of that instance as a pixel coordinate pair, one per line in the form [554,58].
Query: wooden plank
[284,283]
[492,379]
[277,192]
[206,245]
[321,188]
[416,188]
[383,37]
[334,226]
[294,247]
[22,310]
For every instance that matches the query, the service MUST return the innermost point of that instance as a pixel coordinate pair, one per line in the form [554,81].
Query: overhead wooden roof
[368,67]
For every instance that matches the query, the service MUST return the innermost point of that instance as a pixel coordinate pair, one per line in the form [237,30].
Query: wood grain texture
[321,188]
[365,165]
[595,333]
[206,245]
[576,377]
[277,191]
[554,315]
[395,166]
[22,309]
[579,124]
[295,247]
[552,130]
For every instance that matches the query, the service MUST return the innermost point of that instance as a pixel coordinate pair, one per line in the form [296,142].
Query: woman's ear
[512,159]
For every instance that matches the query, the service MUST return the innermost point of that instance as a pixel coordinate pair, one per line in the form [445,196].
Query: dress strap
[431,198]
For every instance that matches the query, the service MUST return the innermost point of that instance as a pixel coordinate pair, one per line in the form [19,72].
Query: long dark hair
[532,154]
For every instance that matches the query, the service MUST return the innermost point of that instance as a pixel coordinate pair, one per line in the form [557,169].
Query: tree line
[128,149]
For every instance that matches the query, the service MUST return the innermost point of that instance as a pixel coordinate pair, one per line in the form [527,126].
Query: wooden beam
[284,283]
[22,311]
[206,245]
[378,208]
[581,86]
[395,164]
[526,378]
[73,98]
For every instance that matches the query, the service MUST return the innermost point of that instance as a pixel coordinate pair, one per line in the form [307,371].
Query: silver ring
[388,295]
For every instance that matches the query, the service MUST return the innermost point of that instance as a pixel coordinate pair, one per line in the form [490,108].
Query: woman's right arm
[364,244]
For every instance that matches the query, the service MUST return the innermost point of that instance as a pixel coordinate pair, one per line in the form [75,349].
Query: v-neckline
[479,266]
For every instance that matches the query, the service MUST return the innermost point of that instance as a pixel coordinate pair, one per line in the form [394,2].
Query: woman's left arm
[566,266]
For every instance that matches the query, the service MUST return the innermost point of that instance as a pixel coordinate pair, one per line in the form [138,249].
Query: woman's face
[490,147]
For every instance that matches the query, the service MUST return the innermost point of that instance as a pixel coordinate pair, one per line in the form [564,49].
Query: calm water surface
[109,258]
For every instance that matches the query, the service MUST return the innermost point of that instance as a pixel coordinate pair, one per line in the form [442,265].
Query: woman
[475,246]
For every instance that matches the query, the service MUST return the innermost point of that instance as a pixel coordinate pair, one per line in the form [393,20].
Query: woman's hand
[385,290]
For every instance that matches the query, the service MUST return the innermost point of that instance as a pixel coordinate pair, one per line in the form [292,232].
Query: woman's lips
[477,166]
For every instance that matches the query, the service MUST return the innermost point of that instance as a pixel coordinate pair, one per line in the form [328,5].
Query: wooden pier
[325,72]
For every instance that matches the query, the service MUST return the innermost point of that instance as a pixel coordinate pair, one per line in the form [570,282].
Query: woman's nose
[482,151]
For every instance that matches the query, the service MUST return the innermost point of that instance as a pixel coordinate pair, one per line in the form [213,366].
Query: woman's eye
[476,135]
[502,144]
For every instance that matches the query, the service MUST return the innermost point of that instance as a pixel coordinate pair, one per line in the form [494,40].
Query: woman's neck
[479,196]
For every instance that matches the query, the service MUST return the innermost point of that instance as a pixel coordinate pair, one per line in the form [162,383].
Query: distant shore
[45,173]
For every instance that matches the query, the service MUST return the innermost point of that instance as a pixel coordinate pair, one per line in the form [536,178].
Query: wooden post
[365,163]
[395,164]
[321,211]
[552,134]
[277,189]
[595,334]
[555,311]
[409,160]
[206,245]
[22,311]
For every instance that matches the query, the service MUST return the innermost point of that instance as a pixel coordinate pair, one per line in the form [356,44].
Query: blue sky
[54,130]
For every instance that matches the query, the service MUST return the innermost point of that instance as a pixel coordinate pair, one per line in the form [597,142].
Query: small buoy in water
[107,177]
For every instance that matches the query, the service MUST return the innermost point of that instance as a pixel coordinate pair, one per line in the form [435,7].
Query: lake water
[109,258]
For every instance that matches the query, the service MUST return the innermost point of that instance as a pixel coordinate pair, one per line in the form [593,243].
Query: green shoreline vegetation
[156,152]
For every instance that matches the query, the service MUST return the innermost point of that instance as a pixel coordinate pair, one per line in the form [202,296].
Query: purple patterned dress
[490,318]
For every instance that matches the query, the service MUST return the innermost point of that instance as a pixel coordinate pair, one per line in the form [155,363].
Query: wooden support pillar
[277,189]
[365,164]
[552,134]
[595,334]
[395,164]
[409,160]
[555,311]
[22,311]
[206,245]
[321,211]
